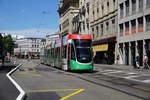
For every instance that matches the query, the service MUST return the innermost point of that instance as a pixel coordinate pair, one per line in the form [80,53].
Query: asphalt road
[7,90]
[42,82]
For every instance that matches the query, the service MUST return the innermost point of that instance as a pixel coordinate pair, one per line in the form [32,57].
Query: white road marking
[22,93]
[105,71]
[132,73]
[146,81]
[113,72]
[132,76]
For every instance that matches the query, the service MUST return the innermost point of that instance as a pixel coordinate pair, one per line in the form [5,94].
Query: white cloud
[41,33]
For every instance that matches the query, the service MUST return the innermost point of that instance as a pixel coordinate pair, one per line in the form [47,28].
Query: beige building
[103,23]
[68,9]
[84,15]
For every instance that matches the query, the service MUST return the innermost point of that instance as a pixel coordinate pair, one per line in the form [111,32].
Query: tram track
[127,89]
[119,84]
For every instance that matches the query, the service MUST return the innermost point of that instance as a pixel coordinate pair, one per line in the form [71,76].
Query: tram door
[58,56]
[68,55]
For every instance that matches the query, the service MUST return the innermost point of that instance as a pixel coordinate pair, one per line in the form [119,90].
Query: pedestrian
[137,62]
[145,61]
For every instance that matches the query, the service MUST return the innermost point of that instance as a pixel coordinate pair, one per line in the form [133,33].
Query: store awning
[102,47]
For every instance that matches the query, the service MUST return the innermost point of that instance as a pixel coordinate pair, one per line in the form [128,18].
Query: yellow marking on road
[52,90]
[33,74]
[23,73]
[56,90]
[27,73]
[72,94]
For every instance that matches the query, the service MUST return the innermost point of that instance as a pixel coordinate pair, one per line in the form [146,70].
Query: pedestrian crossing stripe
[130,75]
[146,81]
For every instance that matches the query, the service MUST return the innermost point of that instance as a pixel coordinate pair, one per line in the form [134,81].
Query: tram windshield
[83,50]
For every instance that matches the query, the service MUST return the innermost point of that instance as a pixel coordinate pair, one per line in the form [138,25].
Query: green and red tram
[72,52]
[77,52]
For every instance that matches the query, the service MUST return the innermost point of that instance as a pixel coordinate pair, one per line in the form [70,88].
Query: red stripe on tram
[74,36]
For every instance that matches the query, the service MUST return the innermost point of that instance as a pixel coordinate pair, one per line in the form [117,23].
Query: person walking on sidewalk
[145,61]
[137,62]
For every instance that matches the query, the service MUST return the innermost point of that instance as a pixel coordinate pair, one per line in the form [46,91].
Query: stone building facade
[133,31]
[84,15]
[103,24]
[68,9]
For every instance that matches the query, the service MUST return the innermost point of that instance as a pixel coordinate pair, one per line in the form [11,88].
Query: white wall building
[51,38]
[28,47]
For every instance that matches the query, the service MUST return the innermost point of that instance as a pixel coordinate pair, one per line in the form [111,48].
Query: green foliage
[6,44]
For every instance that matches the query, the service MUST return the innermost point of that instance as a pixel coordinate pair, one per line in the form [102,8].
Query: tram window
[83,42]
[72,52]
[64,51]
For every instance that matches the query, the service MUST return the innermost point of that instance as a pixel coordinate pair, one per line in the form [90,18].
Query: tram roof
[75,36]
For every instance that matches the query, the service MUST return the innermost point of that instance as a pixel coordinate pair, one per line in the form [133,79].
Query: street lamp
[20,51]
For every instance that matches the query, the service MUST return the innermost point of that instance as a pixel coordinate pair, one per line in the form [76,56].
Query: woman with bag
[145,61]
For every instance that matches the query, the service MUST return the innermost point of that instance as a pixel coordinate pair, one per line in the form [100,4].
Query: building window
[97,7]
[121,29]
[97,10]
[87,5]
[88,26]
[133,26]
[140,5]
[93,32]
[140,24]
[127,30]
[102,30]
[108,7]
[148,4]
[83,26]
[114,1]
[121,10]
[102,9]
[133,6]
[107,27]
[127,7]
[93,12]
[97,30]
[148,22]
[113,26]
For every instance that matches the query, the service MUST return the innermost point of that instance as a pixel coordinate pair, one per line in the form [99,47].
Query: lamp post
[20,51]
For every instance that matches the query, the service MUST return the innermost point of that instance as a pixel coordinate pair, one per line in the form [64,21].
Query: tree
[7,45]
[1,45]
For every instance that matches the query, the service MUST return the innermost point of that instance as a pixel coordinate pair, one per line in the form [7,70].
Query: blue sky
[26,17]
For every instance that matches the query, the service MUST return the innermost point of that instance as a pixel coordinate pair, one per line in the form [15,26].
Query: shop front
[128,51]
[104,51]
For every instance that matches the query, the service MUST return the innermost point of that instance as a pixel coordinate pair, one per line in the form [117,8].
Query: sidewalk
[7,90]
[7,65]
[123,67]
